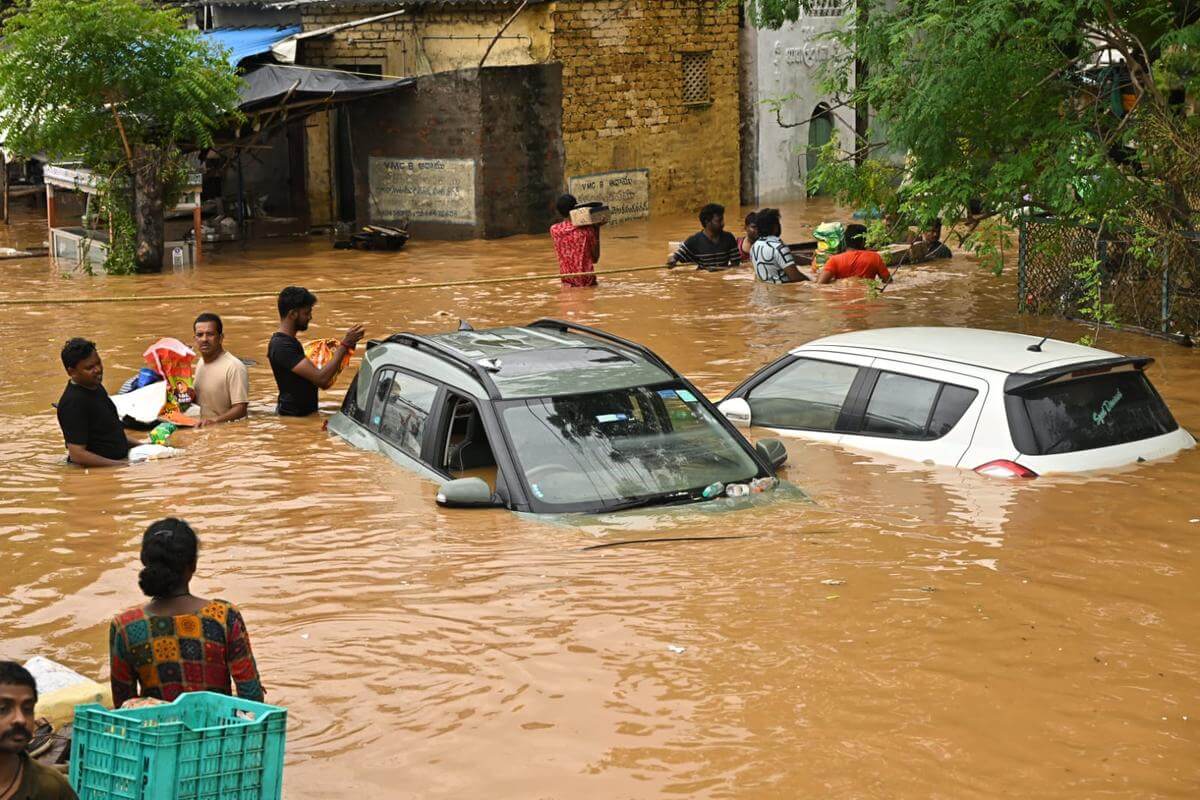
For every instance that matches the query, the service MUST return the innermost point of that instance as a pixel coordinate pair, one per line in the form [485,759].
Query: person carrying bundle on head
[577,246]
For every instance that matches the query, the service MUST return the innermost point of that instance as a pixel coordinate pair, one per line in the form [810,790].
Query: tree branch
[500,32]
[782,124]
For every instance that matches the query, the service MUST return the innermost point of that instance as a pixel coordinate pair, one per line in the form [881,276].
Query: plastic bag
[320,351]
[144,377]
[176,362]
[831,239]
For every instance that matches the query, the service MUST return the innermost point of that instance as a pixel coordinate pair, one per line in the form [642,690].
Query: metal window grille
[826,8]
[695,78]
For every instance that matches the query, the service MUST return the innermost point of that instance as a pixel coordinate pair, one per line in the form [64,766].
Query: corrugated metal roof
[245,42]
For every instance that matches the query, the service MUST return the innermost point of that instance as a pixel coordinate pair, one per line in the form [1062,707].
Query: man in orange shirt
[856,262]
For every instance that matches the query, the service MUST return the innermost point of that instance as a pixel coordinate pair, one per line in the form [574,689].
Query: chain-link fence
[1160,294]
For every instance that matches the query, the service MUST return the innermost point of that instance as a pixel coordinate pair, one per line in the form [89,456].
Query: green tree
[122,86]
[1083,109]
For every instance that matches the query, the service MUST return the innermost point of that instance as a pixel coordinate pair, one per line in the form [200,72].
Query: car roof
[1003,351]
[540,362]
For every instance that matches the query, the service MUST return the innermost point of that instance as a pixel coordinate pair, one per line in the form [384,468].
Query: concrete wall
[504,119]
[521,112]
[426,39]
[782,63]
[623,105]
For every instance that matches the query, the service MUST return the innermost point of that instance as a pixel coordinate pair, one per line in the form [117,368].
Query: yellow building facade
[649,89]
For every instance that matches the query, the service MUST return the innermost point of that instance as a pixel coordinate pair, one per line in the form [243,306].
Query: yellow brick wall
[622,64]
[622,95]
[430,39]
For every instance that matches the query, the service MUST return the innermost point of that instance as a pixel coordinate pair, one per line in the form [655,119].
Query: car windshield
[610,449]
[1097,411]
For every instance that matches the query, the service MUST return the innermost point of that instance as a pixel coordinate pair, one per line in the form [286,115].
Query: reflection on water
[911,632]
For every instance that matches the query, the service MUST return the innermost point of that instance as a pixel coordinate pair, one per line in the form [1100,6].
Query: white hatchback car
[999,403]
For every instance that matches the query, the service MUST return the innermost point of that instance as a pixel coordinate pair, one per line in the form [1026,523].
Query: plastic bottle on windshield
[737,490]
[763,484]
[713,490]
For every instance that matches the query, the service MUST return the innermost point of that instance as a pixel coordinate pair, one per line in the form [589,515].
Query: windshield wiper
[660,499]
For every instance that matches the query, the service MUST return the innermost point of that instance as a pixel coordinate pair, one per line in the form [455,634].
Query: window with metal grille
[695,78]
[826,8]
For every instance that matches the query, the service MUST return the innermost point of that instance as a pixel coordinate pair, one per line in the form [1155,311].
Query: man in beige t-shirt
[222,381]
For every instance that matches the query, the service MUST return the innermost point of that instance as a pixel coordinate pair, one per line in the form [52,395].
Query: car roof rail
[451,356]
[564,326]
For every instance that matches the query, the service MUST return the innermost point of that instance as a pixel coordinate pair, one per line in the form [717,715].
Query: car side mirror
[736,410]
[773,451]
[466,493]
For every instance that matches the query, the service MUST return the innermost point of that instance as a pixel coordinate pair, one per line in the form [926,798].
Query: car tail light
[1003,468]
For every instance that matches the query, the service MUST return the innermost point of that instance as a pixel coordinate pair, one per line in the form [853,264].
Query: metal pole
[1022,247]
[1165,308]
[241,198]
[197,224]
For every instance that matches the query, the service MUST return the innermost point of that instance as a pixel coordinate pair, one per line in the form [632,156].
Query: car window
[805,394]
[1097,411]
[900,406]
[951,405]
[407,402]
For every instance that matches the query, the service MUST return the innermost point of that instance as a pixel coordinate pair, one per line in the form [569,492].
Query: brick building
[630,101]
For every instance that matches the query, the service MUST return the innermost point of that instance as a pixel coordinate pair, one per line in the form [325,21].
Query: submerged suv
[548,418]
[999,403]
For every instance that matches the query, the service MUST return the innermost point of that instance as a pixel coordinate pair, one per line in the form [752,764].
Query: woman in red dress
[577,246]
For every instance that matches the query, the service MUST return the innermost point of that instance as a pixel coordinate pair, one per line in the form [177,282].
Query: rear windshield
[1097,411]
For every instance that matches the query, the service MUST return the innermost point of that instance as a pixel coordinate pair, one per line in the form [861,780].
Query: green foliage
[1002,108]
[93,79]
[112,208]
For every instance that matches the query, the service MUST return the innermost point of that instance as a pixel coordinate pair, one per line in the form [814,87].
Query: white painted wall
[779,63]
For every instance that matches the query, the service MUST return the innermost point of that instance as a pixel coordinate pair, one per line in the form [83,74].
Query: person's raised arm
[83,457]
[323,378]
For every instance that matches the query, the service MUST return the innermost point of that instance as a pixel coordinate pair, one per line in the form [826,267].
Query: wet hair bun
[169,550]
[158,580]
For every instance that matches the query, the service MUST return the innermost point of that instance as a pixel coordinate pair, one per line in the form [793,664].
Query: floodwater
[913,632]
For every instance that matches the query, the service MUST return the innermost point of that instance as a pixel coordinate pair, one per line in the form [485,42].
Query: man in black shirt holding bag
[298,378]
[93,432]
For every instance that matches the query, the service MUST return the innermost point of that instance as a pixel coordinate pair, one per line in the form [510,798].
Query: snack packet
[175,361]
[320,351]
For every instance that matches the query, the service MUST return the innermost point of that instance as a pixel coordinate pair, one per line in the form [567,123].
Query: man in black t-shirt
[713,247]
[91,428]
[298,378]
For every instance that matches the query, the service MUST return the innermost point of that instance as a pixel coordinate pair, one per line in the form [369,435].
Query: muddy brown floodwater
[1035,639]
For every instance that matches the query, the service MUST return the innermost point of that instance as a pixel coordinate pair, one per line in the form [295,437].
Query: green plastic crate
[203,746]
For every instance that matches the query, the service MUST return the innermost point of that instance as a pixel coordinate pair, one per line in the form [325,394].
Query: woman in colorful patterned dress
[178,642]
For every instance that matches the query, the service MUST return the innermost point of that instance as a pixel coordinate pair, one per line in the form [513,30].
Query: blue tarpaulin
[245,42]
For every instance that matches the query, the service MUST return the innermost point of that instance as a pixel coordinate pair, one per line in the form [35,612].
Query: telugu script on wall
[627,194]
[423,190]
